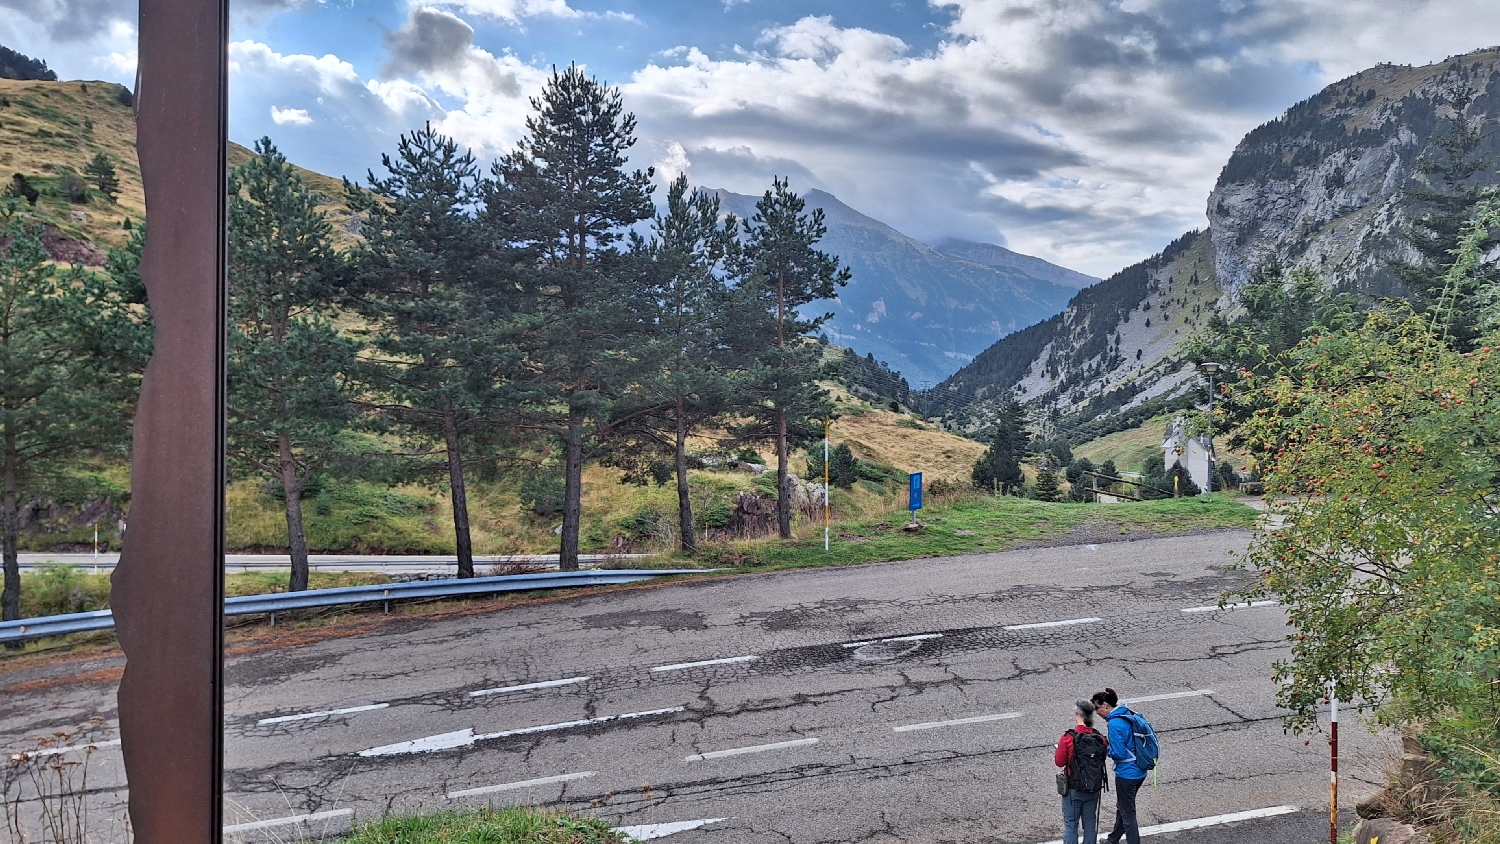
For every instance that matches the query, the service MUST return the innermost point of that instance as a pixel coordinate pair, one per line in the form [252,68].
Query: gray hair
[1085,710]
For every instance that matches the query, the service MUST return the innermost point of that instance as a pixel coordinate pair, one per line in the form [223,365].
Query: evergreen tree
[1449,199]
[843,467]
[14,65]
[780,271]
[102,172]
[287,362]
[689,382]
[563,202]
[1047,487]
[419,279]
[72,346]
[999,468]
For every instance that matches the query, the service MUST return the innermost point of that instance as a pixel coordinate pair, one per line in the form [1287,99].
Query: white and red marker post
[1333,766]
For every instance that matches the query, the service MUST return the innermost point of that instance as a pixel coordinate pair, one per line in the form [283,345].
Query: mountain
[1326,187]
[922,311]
[1001,258]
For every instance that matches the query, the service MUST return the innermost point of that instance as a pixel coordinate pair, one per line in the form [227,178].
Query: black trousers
[1126,825]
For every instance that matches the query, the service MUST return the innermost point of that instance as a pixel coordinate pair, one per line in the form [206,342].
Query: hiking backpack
[1143,738]
[1086,768]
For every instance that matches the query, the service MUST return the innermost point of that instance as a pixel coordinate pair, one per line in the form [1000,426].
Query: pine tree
[102,172]
[780,272]
[72,346]
[1449,200]
[1046,485]
[419,278]
[563,202]
[690,382]
[287,362]
[999,468]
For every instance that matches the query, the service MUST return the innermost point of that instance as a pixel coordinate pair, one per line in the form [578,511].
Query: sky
[1085,132]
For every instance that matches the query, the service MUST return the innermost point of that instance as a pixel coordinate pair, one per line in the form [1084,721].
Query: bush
[542,492]
[72,187]
[21,188]
[62,589]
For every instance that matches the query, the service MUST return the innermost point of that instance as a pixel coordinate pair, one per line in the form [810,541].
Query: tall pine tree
[689,379]
[780,271]
[287,362]
[563,203]
[421,280]
[72,346]
[999,468]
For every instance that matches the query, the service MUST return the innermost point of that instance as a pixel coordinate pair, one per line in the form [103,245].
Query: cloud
[73,20]
[515,11]
[1088,132]
[294,116]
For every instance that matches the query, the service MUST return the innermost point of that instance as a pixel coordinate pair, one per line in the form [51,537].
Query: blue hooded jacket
[1122,745]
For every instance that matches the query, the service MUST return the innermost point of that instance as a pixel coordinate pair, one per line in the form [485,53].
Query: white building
[1192,452]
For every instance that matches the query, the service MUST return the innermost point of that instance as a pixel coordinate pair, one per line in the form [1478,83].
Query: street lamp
[1209,368]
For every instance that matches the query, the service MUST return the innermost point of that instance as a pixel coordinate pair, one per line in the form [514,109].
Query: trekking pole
[1333,771]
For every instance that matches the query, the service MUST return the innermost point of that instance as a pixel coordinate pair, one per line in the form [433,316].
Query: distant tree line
[14,65]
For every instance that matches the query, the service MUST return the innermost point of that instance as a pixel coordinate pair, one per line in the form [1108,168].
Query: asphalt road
[915,701]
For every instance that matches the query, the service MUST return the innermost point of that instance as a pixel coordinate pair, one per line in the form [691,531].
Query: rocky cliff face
[1324,186]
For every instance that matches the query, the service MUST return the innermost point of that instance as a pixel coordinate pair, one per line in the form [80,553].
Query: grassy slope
[46,126]
[1130,448]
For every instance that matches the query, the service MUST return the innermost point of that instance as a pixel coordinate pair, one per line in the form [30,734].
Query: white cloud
[515,11]
[294,116]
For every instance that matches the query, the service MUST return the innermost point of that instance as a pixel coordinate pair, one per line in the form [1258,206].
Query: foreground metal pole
[168,589]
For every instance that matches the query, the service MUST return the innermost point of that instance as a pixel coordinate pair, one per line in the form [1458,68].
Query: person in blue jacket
[1128,775]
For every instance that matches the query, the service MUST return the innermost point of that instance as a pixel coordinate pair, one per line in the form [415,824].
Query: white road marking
[646,832]
[545,684]
[426,744]
[759,748]
[58,751]
[512,786]
[977,719]
[1242,606]
[919,637]
[467,737]
[1070,621]
[1171,696]
[1215,820]
[315,816]
[725,661]
[304,716]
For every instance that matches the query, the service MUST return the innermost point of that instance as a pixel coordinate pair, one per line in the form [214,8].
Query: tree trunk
[10,599]
[567,558]
[461,539]
[783,492]
[688,541]
[295,532]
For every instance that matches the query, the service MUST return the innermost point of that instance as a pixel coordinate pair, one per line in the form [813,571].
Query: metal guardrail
[83,622]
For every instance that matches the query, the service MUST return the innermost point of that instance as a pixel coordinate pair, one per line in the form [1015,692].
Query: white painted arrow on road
[646,832]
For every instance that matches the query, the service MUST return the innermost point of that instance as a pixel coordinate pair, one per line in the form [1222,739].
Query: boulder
[1384,831]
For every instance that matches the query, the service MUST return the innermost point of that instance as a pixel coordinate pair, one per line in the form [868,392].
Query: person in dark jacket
[1080,805]
[1129,776]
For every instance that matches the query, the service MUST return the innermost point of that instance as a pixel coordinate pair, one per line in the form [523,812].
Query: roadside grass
[974,524]
[66,588]
[512,825]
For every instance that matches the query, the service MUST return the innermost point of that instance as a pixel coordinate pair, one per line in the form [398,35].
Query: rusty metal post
[168,589]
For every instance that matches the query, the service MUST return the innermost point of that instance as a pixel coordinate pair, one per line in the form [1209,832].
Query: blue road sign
[914,495]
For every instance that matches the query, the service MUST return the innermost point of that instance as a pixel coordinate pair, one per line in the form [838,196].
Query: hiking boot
[1114,837]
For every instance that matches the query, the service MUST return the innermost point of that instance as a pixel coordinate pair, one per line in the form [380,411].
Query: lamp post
[1209,368]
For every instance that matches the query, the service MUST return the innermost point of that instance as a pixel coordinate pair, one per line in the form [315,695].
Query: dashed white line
[1240,606]
[1214,820]
[545,684]
[292,819]
[282,719]
[759,748]
[1038,624]
[977,719]
[467,737]
[58,751]
[1170,696]
[725,661]
[512,786]
[646,832]
[917,638]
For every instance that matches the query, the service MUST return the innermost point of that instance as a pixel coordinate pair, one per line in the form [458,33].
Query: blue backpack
[1143,737]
